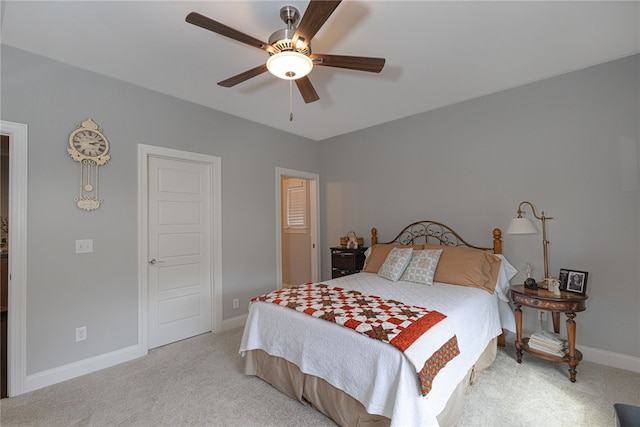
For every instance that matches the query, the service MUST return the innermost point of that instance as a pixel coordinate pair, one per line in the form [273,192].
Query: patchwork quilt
[425,337]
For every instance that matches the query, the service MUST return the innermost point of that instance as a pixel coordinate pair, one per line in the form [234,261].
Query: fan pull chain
[290,100]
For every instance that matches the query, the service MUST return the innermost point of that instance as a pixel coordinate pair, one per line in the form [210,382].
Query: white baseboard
[93,364]
[595,355]
[82,367]
[234,322]
[609,358]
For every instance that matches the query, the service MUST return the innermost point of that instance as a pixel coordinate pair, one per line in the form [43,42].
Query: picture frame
[573,281]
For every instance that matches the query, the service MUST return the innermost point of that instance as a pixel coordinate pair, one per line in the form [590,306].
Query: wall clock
[89,147]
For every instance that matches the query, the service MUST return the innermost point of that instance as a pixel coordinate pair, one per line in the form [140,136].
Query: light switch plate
[84,246]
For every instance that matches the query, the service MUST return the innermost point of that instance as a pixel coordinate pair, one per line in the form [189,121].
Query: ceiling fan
[289,49]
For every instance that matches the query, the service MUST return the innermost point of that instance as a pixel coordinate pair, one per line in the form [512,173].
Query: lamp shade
[522,226]
[289,65]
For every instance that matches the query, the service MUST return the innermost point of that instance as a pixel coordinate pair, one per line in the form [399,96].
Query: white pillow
[395,263]
[507,272]
[422,266]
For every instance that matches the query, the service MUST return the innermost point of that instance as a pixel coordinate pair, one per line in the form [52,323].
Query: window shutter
[296,206]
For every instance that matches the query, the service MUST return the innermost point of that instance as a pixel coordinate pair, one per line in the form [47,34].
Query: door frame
[144,152]
[17,328]
[314,221]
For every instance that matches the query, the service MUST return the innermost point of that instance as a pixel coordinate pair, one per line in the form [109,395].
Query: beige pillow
[465,266]
[495,261]
[379,253]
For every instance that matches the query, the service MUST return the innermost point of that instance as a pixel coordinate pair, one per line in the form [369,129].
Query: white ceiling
[438,53]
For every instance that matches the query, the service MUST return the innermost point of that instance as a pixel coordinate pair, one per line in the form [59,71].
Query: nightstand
[567,302]
[346,261]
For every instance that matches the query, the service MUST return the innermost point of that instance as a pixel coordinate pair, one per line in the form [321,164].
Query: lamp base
[543,284]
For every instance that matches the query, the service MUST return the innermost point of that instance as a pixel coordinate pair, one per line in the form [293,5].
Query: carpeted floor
[199,382]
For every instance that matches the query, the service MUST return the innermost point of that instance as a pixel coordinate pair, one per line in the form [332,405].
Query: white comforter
[373,372]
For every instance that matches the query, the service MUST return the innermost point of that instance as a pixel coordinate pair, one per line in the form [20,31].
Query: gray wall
[562,143]
[557,143]
[99,290]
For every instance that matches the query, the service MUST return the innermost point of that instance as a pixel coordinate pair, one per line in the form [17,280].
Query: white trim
[603,357]
[314,224]
[144,152]
[234,322]
[81,367]
[17,332]
[609,358]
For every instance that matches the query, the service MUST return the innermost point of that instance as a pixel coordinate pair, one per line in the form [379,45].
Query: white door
[179,247]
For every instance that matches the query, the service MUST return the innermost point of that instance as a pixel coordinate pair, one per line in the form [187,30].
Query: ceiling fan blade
[306,89]
[239,78]
[209,24]
[360,63]
[313,19]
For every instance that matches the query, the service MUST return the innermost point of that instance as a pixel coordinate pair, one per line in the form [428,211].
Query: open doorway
[16,247]
[297,236]
[4,261]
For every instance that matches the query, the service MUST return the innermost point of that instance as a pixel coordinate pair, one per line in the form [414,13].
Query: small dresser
[346,261]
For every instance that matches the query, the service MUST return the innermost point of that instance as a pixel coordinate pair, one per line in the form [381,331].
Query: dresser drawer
[346,261]
[343,260]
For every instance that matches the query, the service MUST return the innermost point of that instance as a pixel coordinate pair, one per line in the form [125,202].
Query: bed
[357,380]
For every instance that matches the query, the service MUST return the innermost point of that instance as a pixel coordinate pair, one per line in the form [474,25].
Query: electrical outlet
[236,303]
[542,315]
[81,333]
[84,246]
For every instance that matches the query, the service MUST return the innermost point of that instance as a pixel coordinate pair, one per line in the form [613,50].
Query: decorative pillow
[422,266]
[396,262]
[460,265]
[379,254]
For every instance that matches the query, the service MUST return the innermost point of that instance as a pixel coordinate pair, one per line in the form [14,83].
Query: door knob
[153,261]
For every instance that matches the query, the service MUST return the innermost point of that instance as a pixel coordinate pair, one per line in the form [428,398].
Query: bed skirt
[338,405]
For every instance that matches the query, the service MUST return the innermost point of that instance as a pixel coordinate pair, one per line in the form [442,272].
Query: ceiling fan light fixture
[289,65]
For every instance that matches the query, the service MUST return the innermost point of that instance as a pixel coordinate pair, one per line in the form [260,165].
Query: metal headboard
[436,233]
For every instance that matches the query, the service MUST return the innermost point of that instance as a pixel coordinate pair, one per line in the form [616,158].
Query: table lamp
[523,225]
